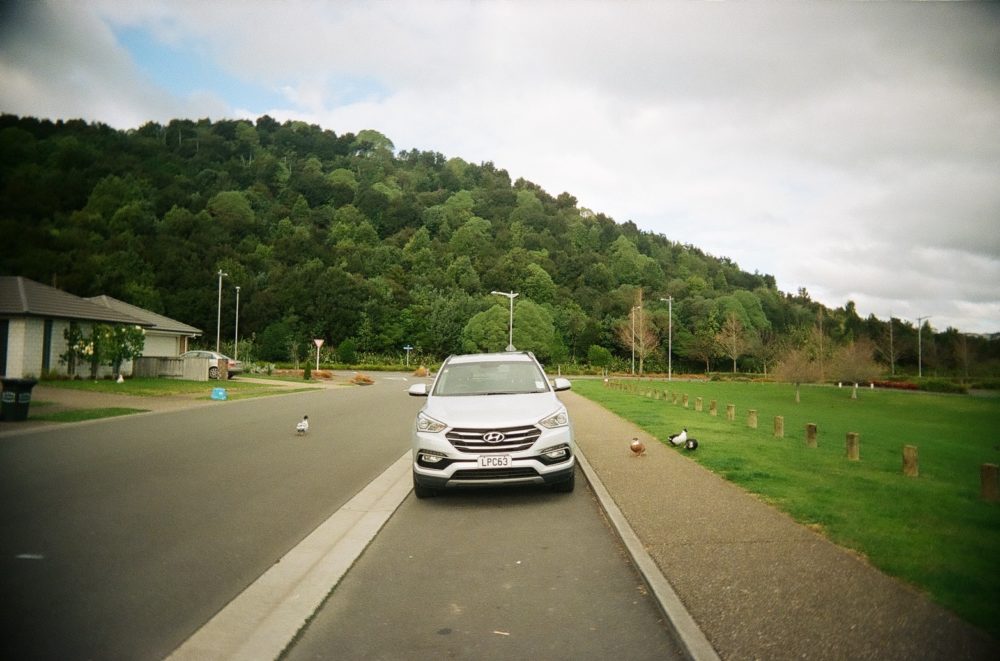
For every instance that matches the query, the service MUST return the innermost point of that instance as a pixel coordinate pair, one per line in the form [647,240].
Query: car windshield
[489,378]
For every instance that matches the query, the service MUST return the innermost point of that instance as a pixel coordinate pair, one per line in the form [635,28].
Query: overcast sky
[851,149]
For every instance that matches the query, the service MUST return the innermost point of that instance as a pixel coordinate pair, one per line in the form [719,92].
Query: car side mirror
[418,390]
[561,384]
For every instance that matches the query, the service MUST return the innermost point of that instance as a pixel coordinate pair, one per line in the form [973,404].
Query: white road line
[264,618]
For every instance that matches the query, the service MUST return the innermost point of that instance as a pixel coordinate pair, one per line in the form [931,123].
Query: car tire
[421,491]
[213,372]
[566,486]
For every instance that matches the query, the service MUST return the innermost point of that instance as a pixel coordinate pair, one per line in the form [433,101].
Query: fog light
[430,457]
[555,455]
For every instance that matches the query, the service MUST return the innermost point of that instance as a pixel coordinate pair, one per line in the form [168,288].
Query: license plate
[494,461]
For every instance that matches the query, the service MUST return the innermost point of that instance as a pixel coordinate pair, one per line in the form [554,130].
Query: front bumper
[453,468]
[467,474]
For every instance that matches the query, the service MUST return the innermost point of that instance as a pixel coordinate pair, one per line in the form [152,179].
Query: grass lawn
[933,531]
[77,415]
[235,388]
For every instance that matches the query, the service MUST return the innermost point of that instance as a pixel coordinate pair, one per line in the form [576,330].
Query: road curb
[263,619]
[690,636]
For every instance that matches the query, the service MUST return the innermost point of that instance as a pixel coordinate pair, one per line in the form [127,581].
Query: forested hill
[340,237]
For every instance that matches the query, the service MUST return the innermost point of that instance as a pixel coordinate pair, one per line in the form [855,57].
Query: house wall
[161,345]
[26,341]
[24,348]
[16,330]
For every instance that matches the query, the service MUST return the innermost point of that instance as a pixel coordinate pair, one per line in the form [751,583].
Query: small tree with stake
[854,363]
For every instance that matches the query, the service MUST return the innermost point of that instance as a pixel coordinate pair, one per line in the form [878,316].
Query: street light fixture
[510,326]
[218,316]
[670,335]
[920,348]
[236,334]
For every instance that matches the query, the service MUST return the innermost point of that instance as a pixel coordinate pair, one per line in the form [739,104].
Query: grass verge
[933,531]
[236,389]
[78,415]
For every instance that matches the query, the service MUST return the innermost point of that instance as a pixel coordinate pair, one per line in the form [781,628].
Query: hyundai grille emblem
[493,437]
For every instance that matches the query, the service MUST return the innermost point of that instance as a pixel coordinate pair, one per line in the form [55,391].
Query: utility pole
[632,314]
[670,335]
[510,326]
[218,316]
[236,334]
[920,347]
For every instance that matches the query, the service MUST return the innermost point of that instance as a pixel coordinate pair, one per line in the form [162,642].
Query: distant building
[34,318]
[165,337]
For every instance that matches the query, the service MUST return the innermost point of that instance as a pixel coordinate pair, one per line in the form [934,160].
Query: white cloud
[847,148]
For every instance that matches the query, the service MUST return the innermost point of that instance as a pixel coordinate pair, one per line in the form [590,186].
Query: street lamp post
[632,313]
[236,334]
[920,348]
[218,316]
[510,326]
[670,335]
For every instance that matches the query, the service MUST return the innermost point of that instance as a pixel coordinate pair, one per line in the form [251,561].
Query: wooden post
[713,408]
[675,398]
[779,426]
[989,477]
[697,404]
[811,435]
[853,447]
[911,465]
[730,412]
[752,418]
[685,400]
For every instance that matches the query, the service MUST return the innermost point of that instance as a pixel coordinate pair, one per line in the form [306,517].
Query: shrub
[362,379]
[943,385]
[347,352]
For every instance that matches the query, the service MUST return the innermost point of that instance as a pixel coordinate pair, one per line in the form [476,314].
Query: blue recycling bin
[15,399]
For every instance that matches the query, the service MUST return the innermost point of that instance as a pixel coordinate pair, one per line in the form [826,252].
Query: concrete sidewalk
[760,585]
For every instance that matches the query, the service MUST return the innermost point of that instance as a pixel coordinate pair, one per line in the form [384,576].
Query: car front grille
[474,440]
[495,473]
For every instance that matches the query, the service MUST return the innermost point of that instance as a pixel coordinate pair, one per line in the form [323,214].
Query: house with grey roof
[165,337]
[34,318]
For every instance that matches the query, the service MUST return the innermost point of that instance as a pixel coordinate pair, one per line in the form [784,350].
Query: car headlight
[558,419]
[429,424]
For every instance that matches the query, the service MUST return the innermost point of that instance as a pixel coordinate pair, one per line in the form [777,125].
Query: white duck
[303,426]
[679,439]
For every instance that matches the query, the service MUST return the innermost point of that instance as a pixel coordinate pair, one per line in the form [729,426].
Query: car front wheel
[213,372]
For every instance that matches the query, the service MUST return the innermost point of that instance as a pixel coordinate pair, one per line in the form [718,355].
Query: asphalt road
[493,574]
[120,538]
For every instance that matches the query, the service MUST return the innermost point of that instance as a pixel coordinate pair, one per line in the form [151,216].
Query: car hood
[489,411]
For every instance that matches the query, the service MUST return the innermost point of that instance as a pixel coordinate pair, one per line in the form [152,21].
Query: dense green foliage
[933,531]
[340,237]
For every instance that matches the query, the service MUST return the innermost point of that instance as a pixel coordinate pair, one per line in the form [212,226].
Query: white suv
[491,420]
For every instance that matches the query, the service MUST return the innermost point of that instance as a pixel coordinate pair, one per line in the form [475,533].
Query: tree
[598,356]
[797,367]
[76,348]
[533,330]
[767,346]
[854,363]
[732,339]
[122,343]
[637,334]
